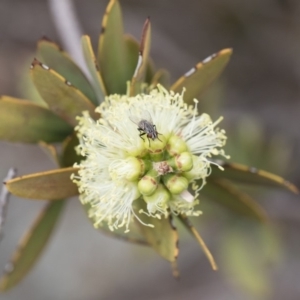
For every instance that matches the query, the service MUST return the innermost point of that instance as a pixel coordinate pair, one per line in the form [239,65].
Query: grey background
[262,79]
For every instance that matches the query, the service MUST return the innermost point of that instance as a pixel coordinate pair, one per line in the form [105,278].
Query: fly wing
[137,117]
[145,115]
[134,118]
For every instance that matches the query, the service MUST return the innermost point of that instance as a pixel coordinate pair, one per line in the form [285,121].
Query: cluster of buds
[165,165]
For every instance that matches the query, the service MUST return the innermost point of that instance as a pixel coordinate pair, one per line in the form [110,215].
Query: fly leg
[157,133]
[141,133]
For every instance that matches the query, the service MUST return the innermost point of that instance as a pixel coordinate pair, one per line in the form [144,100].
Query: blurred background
[259,96]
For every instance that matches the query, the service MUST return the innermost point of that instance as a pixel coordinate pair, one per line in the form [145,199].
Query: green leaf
[132,51]
[62,97]
[202,75]
[93,67]
[150,71]
[58,60]
[69,155]
[247,252]
[133,47]
[112,50]
[226,194]
[26,87]
[188,224]
[50,185]
[133,236]
[31,245]
[163,237]
[26,122]
[249,175]
[139,75]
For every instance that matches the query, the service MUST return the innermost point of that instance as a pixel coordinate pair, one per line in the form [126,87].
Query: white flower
[122,168]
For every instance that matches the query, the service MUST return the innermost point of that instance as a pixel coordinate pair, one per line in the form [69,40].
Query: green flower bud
[148,184]
[157,202]
[156,148]
[156,144]
[176,145]
[134,167]
[182,162]
[130,169]
[175,183]
[200,169]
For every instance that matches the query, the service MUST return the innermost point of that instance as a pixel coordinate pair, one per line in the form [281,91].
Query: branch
[4,198]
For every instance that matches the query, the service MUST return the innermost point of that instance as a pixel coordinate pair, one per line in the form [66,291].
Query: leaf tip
[34,63]
[145,31]
[44,38]
[227,51]
[289,185]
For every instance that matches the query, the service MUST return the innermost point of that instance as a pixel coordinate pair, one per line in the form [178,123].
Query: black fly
[145,126]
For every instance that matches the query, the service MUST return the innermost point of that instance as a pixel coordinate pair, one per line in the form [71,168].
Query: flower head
[150,147]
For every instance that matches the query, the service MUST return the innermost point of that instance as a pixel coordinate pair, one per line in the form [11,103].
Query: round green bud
[137,150]
[158,199]
[135,167]
[130,169]
[158,143]
[175,183]
[184,161]
[176,145]
[148,184]
[199,169]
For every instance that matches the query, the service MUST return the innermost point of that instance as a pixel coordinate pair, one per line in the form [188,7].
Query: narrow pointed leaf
[58,60]
[133,236]
[139,75]
[133,47]
[93,67]
[132,51]
[163,237]
[112,51]
[50,185]
[61,96]
[226,194]
[31,245]
[187,223]
[26,87]
[249,175]
[69,154]
[202,75]
[247,252]
[26,122]
[150,71]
